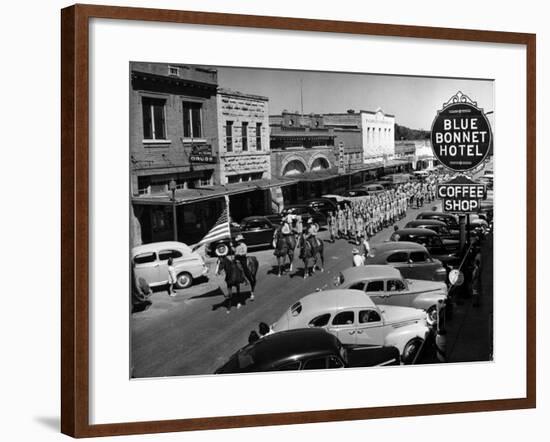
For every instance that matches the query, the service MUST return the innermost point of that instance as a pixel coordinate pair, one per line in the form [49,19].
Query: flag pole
[226,197]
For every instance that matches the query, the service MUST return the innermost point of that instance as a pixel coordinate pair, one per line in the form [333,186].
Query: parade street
[192,333]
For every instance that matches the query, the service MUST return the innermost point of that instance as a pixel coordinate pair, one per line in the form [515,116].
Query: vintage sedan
[411,259]
[151,263]
[439,227]
[446,253]
[355,319]
[447,218]
[323,205]
[304,349]
[256,230]
[385,285]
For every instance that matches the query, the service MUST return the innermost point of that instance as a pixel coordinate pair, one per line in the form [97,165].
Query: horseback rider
[240,253]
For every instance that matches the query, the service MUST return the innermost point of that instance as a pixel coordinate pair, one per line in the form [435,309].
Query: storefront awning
[320,175]
[187,196]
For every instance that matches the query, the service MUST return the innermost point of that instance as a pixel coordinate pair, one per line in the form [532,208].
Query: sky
[413,100]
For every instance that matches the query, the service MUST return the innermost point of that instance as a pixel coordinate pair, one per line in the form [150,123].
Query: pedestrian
[241,256]
[332,226]
[357,259]
[171,277]
[264,330]
[253,337]
[365,249]
[476,280]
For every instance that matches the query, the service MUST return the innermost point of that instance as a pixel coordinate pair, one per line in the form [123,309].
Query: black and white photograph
[287,220]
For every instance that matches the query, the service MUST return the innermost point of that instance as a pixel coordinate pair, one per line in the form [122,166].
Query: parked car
[323,205]
[439,227]
[355,319]
[411,259]
[355,192]
[421,174]
[306,211]
[373,189]
[447,218]
[304,349]
[385,285]
[257,232]
[446,253]
[151,263]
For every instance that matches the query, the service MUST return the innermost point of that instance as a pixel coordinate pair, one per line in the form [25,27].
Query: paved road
[193,334]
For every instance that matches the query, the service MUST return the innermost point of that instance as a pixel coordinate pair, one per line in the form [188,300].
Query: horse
[311,251]
[284,246]
[235,276]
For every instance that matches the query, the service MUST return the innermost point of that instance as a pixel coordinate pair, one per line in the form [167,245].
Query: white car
[355,319]
[151,263]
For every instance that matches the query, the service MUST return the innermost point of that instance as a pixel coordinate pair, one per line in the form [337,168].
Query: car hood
[421,286]
[394,315]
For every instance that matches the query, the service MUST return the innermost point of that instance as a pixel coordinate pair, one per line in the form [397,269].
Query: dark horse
[235,276]
[284,246]
[311,251]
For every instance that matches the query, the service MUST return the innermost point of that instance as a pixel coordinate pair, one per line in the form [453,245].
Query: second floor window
[154,127]
[192,124]
[258,136]
[229,135]
[245,135]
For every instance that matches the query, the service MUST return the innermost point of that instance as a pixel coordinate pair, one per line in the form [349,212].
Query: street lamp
[172,186]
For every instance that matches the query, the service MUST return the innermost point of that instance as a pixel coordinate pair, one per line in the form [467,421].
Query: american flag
[219,230]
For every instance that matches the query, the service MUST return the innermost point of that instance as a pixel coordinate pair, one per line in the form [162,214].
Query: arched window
[294,167]
[319,164]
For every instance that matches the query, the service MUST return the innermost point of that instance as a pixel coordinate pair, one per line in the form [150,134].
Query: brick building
[173,139]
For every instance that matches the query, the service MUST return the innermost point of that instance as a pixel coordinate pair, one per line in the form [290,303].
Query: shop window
[154,127]
[192,119]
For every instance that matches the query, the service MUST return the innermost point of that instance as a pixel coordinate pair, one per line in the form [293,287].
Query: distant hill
[404,133]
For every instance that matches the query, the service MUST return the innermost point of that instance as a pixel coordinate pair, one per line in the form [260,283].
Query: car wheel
[411,350]
[222,249]
[184,280]
[431,314]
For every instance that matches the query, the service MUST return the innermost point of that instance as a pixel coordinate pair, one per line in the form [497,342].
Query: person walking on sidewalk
[171,277]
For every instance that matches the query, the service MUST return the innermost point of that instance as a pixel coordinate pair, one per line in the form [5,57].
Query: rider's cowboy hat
[355,251]
[239,238]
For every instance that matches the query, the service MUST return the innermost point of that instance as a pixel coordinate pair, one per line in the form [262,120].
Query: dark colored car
[447,218]
[374,189]
[354,192]
[323,205]
[304,349]
[439,227]
[257,232]
[411,259]
[306,211]
[431,240]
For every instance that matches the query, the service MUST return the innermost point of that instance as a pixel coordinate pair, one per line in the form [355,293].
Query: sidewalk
[470,332]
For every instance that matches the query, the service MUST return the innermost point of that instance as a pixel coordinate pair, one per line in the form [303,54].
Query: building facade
[172,116]
[378,131]
[173,142]
[243,125]
[302,147]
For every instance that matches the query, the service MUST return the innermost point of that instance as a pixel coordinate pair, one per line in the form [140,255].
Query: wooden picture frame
[75,247]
